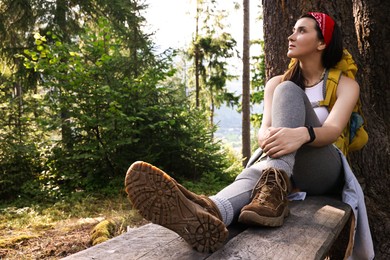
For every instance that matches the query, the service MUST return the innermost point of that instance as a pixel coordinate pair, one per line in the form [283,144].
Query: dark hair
[330,56]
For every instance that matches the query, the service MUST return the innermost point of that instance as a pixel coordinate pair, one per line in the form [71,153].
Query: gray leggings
[314,170]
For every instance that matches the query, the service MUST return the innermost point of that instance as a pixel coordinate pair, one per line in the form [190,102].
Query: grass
[39,230]
[22,228]
[40,216]
[43,230]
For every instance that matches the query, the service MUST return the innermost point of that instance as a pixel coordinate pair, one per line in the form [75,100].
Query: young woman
[296,142]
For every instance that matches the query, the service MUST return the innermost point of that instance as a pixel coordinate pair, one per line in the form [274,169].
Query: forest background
[83,93]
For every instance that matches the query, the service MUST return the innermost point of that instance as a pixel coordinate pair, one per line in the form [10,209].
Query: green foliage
[258,83]
[20,139]
[84,106]
[212,182]
[214,68]
[210,53]
[18,168]
[113,118]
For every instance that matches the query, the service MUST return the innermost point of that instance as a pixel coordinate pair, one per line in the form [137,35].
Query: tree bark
[61,21]
[246,127]
[366,33]
[280,17]
[197,65]
[372,164]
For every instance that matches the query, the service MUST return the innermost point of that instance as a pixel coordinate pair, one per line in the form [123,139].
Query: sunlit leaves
[257,83]
[95,101]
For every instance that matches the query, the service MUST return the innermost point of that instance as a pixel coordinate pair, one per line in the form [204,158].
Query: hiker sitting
[296,151]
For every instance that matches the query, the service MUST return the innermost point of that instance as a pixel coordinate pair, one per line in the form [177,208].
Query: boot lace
[271,178]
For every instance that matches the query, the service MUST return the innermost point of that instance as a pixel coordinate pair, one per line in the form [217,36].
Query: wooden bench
[308,233]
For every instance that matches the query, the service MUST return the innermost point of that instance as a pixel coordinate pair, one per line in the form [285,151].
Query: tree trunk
[197,65]
[60,20]
[246,127]
[280,17]
[372,164]
[367,37]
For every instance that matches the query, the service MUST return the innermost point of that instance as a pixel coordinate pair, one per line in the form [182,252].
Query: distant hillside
[227,117]
[229,124]
[229,121]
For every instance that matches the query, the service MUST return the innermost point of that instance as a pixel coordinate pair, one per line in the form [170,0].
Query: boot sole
[252,218]
[155,195]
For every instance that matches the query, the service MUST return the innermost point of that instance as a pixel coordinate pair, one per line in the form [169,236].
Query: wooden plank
[179,249]
[147,242]
[134,244]
[308,233]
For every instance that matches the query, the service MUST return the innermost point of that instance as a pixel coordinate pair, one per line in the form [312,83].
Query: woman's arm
[347,95]
[280,141]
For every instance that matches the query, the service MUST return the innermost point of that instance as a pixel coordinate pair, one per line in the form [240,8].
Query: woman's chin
[290,54]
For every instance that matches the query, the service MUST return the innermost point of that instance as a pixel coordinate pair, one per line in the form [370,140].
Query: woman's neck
[312,73]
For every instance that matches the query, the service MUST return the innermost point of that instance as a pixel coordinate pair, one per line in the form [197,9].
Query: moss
[103,231]
[110,228]
[11,241]
[99,240]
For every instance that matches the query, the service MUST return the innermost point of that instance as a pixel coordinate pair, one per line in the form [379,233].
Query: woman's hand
[280,141]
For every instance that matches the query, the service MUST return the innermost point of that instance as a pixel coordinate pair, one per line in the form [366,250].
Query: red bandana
[326,24]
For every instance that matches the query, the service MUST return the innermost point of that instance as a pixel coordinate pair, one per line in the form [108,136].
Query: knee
[249,174]
[288,88]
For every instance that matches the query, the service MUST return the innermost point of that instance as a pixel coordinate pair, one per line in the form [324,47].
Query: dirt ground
[54,243]
[61,240]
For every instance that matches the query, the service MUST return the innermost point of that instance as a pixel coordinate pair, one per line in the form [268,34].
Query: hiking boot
[269,205]
[161,200]
[201,200]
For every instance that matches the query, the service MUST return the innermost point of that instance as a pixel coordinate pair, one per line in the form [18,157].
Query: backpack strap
[347,67]
[346,142]
[331,80]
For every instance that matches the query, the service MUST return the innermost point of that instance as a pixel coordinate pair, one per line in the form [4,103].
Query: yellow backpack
[354,136]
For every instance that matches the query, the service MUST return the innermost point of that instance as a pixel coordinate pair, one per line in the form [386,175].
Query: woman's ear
[321,45]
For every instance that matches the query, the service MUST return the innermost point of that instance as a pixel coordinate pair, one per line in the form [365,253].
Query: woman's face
[304,39]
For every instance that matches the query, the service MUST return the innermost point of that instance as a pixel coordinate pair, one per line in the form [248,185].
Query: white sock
[225,208]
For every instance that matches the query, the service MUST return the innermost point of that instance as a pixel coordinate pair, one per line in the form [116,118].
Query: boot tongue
[277,181]
[264,192]
[268,185]
[270,182]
